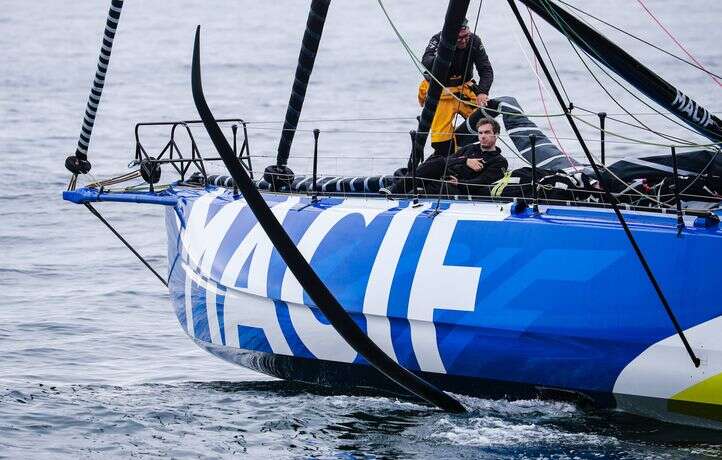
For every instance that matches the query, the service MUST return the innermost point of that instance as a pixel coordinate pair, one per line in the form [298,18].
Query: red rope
[659,23]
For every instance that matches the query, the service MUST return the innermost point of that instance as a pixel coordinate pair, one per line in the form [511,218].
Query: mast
[620,62]
[455,14]
[306,59]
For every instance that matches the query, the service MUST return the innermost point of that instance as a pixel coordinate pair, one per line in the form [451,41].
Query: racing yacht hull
[479,299]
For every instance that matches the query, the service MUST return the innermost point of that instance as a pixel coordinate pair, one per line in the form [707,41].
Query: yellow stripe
[707,391]
[701,400]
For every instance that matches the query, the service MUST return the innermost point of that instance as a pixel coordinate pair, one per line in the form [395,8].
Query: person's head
[487,129]
[462,39]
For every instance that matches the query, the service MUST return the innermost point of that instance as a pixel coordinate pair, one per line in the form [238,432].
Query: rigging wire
[649,12]
[566,31]
[612,117]
[611,133]
[590,113]
[355,119]
[414,59]
[649,197]
[541,94]
[627,113]
[635,141]
[642,126]
[565,28]
[549,57]
[636,37]
[629,140]
[640,141]
[632,240]
[417,63]
[541,84]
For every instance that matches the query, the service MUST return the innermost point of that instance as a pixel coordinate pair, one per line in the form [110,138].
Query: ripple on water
[78,310]
[293,420]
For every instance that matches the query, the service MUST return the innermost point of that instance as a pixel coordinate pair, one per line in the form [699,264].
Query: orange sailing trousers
[442,128]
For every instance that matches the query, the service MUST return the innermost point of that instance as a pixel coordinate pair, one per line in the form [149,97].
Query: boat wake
[293,420]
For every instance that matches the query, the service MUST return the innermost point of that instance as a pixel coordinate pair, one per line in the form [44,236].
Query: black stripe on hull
[701,419]
[349,376]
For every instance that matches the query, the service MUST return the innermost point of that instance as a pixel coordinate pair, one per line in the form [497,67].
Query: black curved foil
[301,269]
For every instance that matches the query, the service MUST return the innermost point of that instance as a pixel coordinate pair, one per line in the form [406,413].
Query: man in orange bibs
[469,53]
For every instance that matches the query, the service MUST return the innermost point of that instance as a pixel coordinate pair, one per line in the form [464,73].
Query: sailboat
[551,286]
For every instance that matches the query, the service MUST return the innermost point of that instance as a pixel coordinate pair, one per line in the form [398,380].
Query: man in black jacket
[469,53]
[469,171]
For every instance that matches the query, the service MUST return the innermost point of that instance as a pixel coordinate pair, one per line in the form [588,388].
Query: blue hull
[478,299]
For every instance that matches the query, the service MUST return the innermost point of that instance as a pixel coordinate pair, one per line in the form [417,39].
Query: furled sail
[306,58]
[78,163]
[620,62]
[519,128]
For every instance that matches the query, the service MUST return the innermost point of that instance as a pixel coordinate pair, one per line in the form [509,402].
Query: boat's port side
[554,302]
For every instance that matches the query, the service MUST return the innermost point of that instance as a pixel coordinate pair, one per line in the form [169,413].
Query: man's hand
[452,180]
[482,99]
[475,164]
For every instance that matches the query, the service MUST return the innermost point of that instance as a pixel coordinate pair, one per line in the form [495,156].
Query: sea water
[92,360]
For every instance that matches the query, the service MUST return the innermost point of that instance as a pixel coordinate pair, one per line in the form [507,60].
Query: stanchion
[535,204]
[316,133]
[415,189]
[680,217]
[602,119]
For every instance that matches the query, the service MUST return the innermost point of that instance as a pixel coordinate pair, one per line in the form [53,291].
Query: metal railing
[172,154]
[533,193]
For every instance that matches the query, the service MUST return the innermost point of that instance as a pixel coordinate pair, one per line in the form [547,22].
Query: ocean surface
[92,361]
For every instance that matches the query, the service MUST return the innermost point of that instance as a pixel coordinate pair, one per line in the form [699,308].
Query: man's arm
[483,67]
[492,172]
[430,53]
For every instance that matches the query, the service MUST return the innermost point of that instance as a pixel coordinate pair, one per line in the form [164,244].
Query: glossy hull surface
[478,299]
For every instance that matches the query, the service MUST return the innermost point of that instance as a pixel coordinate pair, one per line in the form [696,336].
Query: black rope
[107,224]
[605,191]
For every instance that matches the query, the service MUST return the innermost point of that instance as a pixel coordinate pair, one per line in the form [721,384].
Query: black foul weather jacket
[495,165]
[461,73]
[470,182]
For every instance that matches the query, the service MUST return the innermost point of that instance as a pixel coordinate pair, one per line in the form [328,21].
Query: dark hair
[489,121]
